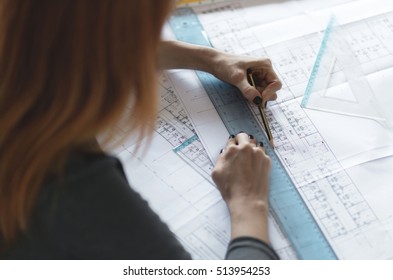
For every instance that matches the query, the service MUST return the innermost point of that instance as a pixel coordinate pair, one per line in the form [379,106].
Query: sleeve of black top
[249,248]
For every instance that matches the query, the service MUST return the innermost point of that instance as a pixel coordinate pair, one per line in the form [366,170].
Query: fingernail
[231,136]
[260,144]
[251,136]
[257,100]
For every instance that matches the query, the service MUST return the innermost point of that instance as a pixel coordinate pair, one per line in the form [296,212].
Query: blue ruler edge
[317,63]
[286,204]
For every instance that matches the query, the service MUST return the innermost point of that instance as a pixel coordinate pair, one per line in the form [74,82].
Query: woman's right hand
[242,176]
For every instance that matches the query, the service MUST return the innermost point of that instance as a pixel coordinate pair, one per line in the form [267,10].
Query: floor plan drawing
[322,177]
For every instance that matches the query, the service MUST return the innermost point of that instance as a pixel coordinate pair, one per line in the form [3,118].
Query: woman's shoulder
[86,166]
[91,212]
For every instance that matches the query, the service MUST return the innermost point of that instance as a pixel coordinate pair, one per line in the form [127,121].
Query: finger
[260,146]
[249,92]
[231,140]
[267,82]
[252,139]
[264,73]
[270,91]
[269,97]
[242,138]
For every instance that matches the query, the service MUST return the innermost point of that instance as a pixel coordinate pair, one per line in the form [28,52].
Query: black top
[93,213]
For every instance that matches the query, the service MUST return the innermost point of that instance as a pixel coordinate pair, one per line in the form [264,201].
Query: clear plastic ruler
[337,83]
[287,205]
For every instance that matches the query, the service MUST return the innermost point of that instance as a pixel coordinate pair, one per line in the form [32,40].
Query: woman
[68,71]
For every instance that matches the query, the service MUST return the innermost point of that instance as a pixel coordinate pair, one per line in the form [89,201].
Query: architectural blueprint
[322,173]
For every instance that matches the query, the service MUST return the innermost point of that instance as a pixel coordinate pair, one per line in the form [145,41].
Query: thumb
[249,92]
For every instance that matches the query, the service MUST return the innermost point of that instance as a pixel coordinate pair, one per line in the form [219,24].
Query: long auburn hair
[68,71]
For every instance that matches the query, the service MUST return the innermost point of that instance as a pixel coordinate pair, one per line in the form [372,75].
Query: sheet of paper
[325,166]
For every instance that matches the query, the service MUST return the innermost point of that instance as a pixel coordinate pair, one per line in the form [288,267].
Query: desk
[174,177]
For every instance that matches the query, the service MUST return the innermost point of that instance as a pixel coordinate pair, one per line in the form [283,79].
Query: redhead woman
[68,70]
